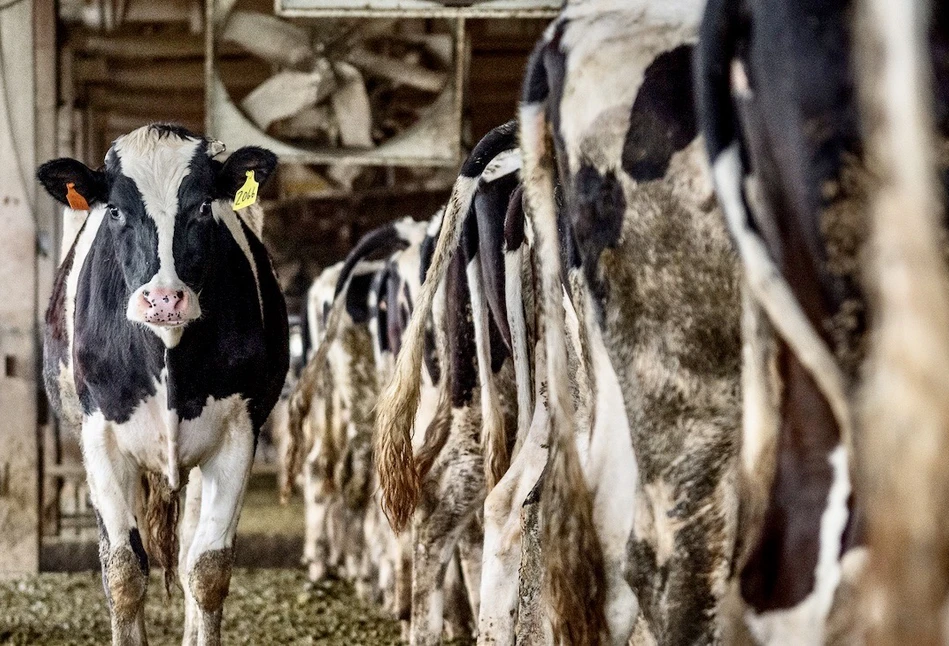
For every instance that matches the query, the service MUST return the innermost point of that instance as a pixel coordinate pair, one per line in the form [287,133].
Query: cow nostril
[145,293]
[180,294]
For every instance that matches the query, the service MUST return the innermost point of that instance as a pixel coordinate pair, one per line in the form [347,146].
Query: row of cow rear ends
[670,367]
[731,319]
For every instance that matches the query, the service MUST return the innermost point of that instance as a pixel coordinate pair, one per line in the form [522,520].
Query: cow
[798,147]
[166,344]
[641,520]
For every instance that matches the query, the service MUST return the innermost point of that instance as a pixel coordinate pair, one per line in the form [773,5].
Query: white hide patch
[409,230]
[148,434]
[435,224]
[505,163]
[320,294]
[158,163]
[805,622]
[72,225]
[613,473]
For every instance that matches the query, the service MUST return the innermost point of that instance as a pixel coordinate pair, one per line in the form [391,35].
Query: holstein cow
[795,157]
[166,342]
[655,285]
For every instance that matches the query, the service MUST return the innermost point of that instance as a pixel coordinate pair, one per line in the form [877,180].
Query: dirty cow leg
[502,535]
[316,501]
[208,564]
[188,525]
[452,493]
[470,553]
[113,485]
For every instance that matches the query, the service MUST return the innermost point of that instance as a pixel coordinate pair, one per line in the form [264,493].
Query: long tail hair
[398,475]
[162,507]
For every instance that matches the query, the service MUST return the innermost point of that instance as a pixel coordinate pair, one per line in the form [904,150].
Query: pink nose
[162,306]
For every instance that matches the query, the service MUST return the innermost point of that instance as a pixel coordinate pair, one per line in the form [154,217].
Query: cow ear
[233,173]
[72,183]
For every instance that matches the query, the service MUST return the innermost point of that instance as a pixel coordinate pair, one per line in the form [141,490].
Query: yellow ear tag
[247,194]
[76,201]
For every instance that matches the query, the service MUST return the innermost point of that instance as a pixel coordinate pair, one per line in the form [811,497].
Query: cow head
[160,196]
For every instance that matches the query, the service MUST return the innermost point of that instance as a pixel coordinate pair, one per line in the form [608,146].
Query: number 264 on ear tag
[246,194]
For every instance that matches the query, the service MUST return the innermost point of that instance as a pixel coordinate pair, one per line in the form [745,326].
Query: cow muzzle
[166,307]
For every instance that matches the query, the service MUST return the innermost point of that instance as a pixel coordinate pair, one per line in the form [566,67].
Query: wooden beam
[19,482]
[48,216]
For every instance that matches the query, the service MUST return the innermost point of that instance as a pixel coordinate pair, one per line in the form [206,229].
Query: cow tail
[514,246]
[162,507]
[767,285]
[906,397]
[395,413]
[574,571]
[385,239]
[301,399]
[493,432]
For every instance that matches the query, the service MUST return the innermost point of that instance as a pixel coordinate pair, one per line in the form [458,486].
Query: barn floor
[264,607]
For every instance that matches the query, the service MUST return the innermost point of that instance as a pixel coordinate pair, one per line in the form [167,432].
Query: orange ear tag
[76,201]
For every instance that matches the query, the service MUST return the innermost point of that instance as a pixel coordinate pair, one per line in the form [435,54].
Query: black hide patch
[394,320]
[514,221]
[535,88]
[662,121]
[462,351]
[426,251]
[135,542]
[56,334]
[230,350]
[491,206]
[117,380]
[357,297]
[598,209]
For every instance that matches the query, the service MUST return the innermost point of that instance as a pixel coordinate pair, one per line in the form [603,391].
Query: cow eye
[115,214]
[205,208]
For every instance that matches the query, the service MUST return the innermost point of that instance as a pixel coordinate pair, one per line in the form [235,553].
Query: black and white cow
[166,342]
[641,519]
[798,156]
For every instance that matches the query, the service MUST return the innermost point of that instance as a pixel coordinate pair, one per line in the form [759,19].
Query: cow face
[156,193]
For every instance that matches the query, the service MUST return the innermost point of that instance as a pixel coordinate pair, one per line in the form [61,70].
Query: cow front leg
[211,555]
[113,486]
[187,528]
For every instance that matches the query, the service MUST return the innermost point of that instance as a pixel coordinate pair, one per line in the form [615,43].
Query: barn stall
[370,110]
[587,376]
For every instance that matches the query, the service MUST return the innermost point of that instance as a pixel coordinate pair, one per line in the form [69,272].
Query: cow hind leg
[113,486]
[470,555]
[211,554]
[458,482]
[316,500]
